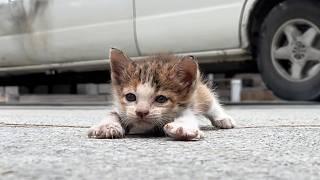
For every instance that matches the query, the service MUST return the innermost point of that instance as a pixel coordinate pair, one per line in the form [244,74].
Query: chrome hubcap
[299,50]
[295,50]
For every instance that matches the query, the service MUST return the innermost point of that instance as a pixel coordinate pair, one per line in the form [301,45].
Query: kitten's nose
[142,114]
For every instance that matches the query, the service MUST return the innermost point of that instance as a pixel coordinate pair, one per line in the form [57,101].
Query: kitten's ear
[187,70]
[119,62]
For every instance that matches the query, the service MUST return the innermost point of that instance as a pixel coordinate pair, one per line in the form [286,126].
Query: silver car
[281,36]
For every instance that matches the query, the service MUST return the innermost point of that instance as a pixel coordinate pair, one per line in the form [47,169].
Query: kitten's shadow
[162,135]
[208,128]
[143,136]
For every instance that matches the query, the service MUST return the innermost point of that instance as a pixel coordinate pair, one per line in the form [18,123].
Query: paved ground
[271,142]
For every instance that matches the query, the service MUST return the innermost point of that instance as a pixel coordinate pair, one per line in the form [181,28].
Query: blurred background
[56,51]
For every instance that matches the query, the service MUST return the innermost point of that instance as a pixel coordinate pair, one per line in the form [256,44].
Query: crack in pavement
[39,125]
[205,128]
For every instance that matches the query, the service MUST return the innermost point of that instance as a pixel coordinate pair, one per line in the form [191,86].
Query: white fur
[184,127]
[218,116]
[110,127]
[188,119]
[144,93]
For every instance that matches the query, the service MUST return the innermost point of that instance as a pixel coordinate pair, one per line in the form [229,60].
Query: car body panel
[58,34]
[66,31]
[12,51]
[185,26]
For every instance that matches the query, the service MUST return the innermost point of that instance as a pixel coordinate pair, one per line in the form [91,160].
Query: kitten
[163,93]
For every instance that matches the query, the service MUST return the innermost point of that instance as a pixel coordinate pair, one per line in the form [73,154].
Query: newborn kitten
[163,93]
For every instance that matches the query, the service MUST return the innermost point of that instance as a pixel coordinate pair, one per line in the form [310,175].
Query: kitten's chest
[139,129]
[145,129]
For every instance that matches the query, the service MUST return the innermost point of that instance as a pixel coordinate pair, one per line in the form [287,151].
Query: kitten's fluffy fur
[137,87]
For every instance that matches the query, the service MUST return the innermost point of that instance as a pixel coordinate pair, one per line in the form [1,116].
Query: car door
[78,30]
[187,25]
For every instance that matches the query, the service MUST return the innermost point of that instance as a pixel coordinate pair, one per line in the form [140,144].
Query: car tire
[288,53]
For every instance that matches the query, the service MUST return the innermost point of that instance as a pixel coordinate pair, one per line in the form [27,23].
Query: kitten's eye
[161,99]
[130,97]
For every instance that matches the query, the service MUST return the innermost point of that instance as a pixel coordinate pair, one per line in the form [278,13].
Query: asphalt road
[270,142]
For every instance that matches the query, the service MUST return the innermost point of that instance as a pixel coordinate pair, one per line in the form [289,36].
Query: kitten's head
[152,91]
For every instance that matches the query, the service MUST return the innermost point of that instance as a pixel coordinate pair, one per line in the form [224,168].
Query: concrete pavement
[271,142]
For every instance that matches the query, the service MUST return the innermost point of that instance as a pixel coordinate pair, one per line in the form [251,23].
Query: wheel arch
[254,12]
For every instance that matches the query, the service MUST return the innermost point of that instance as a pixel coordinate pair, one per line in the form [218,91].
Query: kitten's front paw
[224,122]
[179,132]
[107,131]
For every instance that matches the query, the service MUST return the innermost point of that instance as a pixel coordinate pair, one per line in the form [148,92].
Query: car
[55,36]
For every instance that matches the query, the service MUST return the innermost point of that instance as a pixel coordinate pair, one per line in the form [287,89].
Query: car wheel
[289,50]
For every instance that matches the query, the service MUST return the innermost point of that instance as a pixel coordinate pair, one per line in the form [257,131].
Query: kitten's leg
[109,128]
[184,127]
[217,115]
